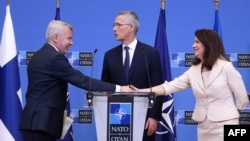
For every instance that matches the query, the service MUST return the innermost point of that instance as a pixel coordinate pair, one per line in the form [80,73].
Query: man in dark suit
[49,73]
[144,63]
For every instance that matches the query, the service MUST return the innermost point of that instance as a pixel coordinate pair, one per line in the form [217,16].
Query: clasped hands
[129,88]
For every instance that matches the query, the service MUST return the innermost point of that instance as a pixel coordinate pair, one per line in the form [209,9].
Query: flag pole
[162,4]
[57,3]
[216,4]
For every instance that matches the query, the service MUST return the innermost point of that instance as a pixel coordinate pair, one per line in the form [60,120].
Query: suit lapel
[197,75]
[215,72]
[135,60]
[119,63]
[118,57]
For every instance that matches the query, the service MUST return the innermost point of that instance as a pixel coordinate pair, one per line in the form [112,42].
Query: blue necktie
[126,63]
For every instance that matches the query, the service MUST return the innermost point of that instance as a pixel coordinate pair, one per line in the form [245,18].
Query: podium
[120,116]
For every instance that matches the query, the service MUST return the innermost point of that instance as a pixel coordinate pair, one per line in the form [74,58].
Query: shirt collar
[132,45]
[54,47]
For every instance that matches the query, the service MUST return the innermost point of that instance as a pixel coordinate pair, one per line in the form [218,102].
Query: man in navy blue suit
[49,73]
[144,63]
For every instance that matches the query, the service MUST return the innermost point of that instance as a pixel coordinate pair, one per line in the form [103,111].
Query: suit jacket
[113,71]
[48,75]
[215,97]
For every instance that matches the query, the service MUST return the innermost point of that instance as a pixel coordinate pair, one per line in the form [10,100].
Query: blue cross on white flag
[10,88]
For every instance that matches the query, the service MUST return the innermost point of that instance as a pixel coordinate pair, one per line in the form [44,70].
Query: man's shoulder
[114,49]
[140,43]
[145,46]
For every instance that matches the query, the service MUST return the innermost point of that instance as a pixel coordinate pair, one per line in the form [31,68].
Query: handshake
[130,88]
[158,90]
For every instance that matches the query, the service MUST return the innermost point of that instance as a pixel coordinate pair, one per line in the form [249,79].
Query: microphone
[89,94]
[151,95]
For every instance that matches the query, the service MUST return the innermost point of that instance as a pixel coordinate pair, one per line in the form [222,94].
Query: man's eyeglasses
[119,24]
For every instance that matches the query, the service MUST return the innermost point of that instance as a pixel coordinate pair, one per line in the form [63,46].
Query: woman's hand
[135,88]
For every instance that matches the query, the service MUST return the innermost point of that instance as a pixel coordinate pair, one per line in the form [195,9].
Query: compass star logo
[120,113]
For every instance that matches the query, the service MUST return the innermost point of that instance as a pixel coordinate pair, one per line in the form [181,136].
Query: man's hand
[126,89]
[134,88]
[151,125]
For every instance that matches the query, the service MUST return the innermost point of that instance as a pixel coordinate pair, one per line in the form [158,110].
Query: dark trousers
[146,137]
[29,135]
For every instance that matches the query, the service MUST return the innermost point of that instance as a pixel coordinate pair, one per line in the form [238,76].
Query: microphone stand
[89,94]
[151,94]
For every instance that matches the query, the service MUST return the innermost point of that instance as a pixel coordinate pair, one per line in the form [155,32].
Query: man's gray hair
[131,18]
[56,27]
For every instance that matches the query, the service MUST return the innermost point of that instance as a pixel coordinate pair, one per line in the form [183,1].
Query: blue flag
[57,17]
[10,88]
[217,26]
[69,134]
[166,130]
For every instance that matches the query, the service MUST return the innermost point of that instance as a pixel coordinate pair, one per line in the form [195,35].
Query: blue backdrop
[93,19]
